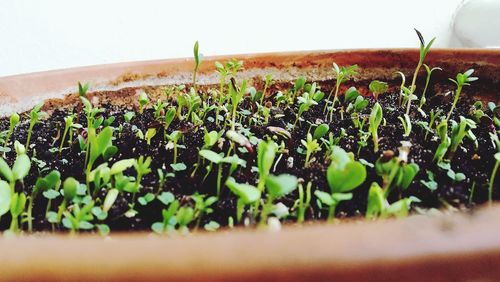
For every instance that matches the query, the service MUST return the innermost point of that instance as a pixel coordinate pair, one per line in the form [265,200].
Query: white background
[43,35]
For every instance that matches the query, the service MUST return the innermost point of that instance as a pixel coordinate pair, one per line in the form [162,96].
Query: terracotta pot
[446,247]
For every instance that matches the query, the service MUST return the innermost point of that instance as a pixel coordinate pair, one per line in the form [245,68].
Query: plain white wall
[51,34]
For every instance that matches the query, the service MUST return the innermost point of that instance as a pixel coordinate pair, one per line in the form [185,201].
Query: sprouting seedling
[333,141]
[68,123]
[458,132]
[79,218]
[374,122]
[169,118]
[169,221]
[150,133]
[14,201]
[13,121]
[343,175]
[461,80]
[219,159]
[427,80]
[312,146]
[433,115]
[442,133]
[247,195]
[202,206]
[268,81]
[209,140]
[401,87]
[396,172]
[378,206]
[277,186]
[236,97]
[142,168]
[342,75]
[495,140]
[100,146]
[197,61]
[128,116]
[406,122]
[184,216]
[43,184]
[174,138]
[143,101]
[159,109]
[306,101]
[70,187]
[378,87]
[303,202]
[35,116]
[424,49]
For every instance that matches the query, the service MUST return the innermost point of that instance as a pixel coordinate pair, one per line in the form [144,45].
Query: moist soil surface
[475,163]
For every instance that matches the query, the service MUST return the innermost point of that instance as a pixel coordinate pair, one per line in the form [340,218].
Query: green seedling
[219,159]
[247,195]
[68,123]
[396,172]
[268,81]
[321,131]
[427,80]
[312,146]
[169,220]
[374,123]
[236,98]
[303,202]
[79,218]
[442,133]
[173,139]
[13,121]
[406,122]
[343,74]
[197,62]
[492,177]
[169,117]
[70,188]
[344,174]
[202,206]
[143,101]
[35,116]
[461,80]
[424,49]
[378,87]
[458,132]
[277,186]
[128,116]
[150,133]
[50,182]
[306,101]
[159,109]
[379,207]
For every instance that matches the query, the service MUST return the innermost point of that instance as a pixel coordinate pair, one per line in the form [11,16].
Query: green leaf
[351,94]
[103,229]
[21,167]
[6,171]
[378,87]
[122,165]
[99,213]
[266,153]
[101,143]
[51,194]
[144,200]
[211,156]
[178,166]
[166,198]
[281,185]
[211,226]
[409,172]
[376,201]
[70,187]
[110,199]
[324,197]
[247,193]
[185,215]
[17,204]
[321,131]
[4,197]
[344,174]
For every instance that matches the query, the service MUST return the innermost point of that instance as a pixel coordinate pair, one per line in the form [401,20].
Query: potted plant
[290,141]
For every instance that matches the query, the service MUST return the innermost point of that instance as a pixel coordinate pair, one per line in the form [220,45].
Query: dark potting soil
[475,163]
